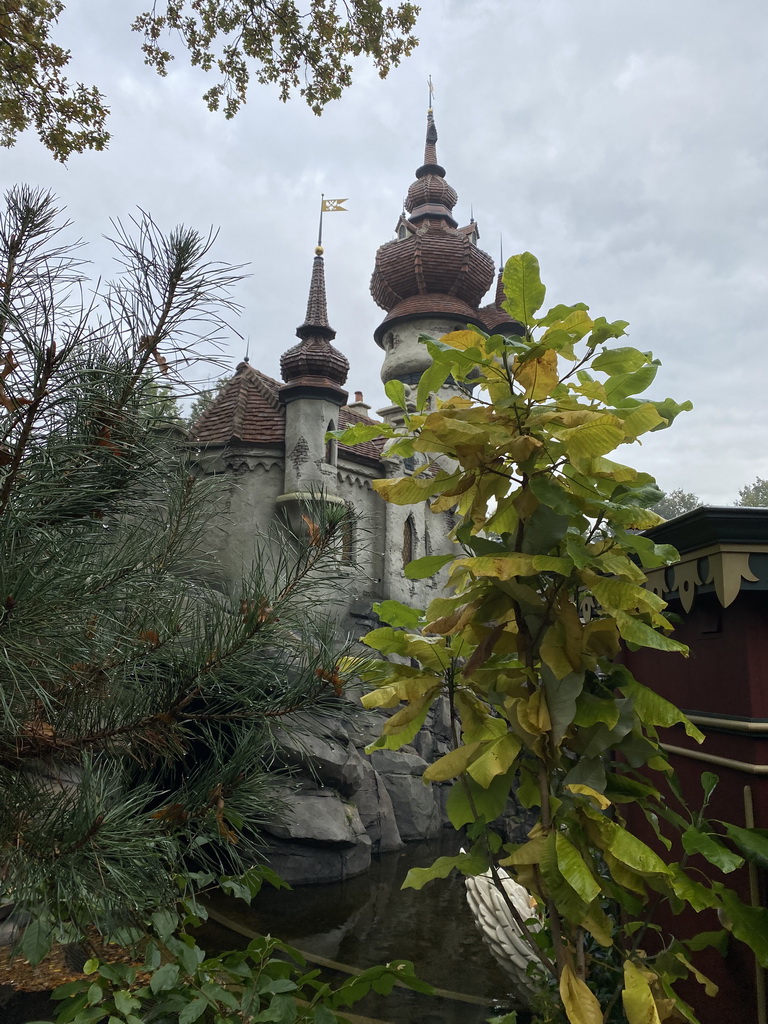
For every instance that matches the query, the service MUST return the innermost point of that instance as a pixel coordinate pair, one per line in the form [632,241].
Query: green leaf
[653,709]
[431,380]
[749,924]
[359,433]
[561,699]
[192,1011]
[551,491]
[322,1015]
[708,783]
[467,863]
[522,285]
[695,841]
[429,565]
[124,1002]
[397,614]
[574,869]
[395,392]
[468,796]
[164,977]
[451,764]
[620,360]
[635,631]
[497,760]
[165,923]
[37,939]
[753,842]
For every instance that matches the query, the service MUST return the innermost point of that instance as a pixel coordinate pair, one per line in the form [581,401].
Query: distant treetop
[309,50]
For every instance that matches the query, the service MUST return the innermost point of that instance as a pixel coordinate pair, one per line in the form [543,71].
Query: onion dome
[315,361]
[495,318]
[431,257]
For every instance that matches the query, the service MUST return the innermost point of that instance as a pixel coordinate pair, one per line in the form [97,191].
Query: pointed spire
[314,362]
[316,320]
[430,165]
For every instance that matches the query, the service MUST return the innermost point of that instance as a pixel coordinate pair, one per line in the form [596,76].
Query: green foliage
[675,503]
[754,495]
[546,583]
[266,981]
[310,49]
[33,90]
[137,698]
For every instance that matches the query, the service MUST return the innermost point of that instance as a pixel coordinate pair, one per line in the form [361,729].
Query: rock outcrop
[340,805]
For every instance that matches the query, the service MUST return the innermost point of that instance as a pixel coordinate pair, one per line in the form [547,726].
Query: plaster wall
[306,463]
[405,358]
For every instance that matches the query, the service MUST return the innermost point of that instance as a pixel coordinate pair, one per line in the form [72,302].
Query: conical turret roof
[315,360]
[432,267]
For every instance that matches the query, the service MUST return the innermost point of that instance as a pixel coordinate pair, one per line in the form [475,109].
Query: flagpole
[320,228]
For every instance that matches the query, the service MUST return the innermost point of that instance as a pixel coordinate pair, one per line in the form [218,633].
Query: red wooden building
[719,590]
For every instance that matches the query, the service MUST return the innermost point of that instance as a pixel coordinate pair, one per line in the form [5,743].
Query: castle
[267,439]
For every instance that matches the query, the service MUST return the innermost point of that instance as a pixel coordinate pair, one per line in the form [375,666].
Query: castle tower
[314,373]
[432,277]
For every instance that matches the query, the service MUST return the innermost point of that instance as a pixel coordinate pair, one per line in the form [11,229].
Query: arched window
[331,446]
[409,540]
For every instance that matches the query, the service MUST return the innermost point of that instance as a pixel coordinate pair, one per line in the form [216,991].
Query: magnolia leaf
[709,986]
[639,1004]
[468,863]
[496,760]
[578,787]
[468,801]
[635,631]
[451,764]
[463,339]
[695,841]
[653,709]
[559,313]
[752,842]
[749,924]
[360,432]
[523,288]
[410,490]
[574,869]
[670,410]
[580,1003]
[538,376]
[561,697]
[620,360]
[642,419]
[592,439]
[551,491]
[633,852]
[590,710]
[429,565]
[431,381]
[164,977]
[397,614]
[395,392]
[625,384]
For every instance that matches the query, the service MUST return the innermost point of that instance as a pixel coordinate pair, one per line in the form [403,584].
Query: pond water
[369,920]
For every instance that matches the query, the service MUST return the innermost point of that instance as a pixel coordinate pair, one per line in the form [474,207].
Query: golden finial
[319,250]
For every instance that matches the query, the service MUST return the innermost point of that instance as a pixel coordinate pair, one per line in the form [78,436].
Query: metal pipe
[747,725]
[725,762]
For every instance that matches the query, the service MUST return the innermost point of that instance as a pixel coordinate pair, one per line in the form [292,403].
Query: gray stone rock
[377,814]
[323,748]
[316,863]
[416,810]
[316,815]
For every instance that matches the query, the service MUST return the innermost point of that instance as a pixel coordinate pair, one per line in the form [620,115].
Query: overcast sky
[621,141]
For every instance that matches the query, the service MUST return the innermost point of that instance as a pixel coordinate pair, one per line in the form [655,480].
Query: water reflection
[370,920]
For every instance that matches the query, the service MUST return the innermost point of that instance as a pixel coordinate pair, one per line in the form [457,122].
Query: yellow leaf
[642,419]
[451,764]
[580,1004]
[539,376]
[496,760]
[533,714]
[639,1004]
[592,439]
[463,339]
[579,787]
[709,986]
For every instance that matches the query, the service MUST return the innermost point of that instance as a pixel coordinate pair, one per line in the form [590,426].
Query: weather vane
[431,91]
[328,206]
